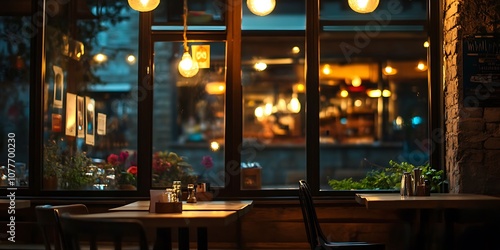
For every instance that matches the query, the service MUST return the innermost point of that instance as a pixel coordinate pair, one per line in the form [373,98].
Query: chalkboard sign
[481,68]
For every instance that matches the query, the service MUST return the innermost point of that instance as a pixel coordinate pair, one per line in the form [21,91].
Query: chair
[81,230]
[316,238]
[47,217]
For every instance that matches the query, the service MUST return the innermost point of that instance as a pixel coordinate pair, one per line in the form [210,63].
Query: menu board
[481,68]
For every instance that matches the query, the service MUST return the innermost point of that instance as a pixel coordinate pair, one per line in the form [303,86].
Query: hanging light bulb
[294,104]
[143,5]
[187,66]
[261,7]
[363,6]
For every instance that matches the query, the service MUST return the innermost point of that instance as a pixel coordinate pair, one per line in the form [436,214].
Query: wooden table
[193,215]
[440,202]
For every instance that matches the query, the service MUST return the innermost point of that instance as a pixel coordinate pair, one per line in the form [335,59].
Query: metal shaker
[406,185]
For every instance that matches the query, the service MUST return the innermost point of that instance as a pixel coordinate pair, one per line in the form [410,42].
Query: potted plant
[169,167]
[127,180]
[52,165]
[75,174]
[389,178]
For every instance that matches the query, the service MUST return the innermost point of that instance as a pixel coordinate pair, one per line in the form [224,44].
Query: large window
[15,65]
[90,97]
[305,92]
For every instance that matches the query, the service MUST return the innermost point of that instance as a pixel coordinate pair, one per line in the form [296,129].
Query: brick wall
[472,133]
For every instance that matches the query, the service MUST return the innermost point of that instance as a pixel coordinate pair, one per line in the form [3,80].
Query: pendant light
[261,7]
[187,66]
[143,5]
[363,6]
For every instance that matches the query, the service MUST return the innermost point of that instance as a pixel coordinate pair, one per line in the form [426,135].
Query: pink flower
[207,162]
[113,159]
[123,156]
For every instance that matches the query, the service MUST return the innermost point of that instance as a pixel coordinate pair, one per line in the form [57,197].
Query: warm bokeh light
[131,59]
[344,93]
[388,70]
[100,57]
[421,66]
[214,146]
[386,93]
[143,5]
[261,7]
[363,6]
[295,50]
[374,93]
[187,67]
[326,69]
[358,103]
[294,105]
[260,66]
[426,44]
[356,81]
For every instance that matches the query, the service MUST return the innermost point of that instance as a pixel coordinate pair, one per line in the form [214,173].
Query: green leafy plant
[52,160]
[389,178]
[75,175]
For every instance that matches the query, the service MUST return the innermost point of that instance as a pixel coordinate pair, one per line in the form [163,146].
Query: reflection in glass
[188,117]
[90,120]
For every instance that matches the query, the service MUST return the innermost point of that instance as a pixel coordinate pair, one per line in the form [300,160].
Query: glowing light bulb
[143,5]
[261,7]
[100,57]
[363,6]
[188,67]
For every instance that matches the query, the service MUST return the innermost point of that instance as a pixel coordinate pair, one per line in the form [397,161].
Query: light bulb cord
[184,35]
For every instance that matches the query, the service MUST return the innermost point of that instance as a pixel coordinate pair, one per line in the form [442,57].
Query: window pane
[14,101]
[373,97]
[90,97]
[188,115]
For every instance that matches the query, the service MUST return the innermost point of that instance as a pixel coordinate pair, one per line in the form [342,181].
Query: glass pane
[188,115]
[14,101]
[286,15]
[90,97]
[373,101]
[200,12]
[386,10]
[273,155]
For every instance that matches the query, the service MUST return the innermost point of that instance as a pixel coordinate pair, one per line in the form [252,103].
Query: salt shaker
[191,194]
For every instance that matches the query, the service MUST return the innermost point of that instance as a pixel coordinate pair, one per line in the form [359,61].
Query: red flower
[132,170]
[113,159]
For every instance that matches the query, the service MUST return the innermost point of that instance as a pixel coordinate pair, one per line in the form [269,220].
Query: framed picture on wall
[80,116]
[58,86]
[89,121]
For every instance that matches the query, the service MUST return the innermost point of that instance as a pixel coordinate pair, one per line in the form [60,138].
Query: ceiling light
[143,5]
[261,7]
[187,66]
[363,6]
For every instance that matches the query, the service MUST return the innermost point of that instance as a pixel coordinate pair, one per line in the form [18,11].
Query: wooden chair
[88,232]
[315,235]
[48,220]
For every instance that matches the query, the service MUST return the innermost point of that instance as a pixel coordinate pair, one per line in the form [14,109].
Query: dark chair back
[315,235]
[313,229]
[81,230]
[48,221]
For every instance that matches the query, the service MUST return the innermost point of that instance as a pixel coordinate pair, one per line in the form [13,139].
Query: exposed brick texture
[472,152]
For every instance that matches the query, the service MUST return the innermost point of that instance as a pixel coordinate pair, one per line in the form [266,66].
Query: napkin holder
[168,207]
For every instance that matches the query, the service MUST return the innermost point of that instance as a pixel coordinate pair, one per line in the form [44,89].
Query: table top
[158,220]
[6,203]
[242,206]
[434,201]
